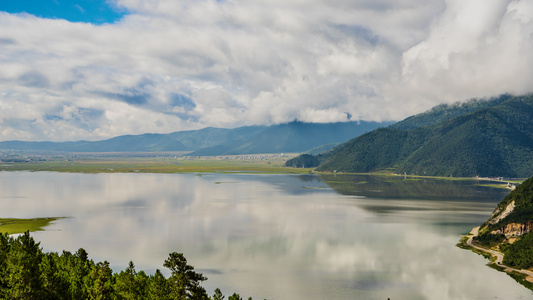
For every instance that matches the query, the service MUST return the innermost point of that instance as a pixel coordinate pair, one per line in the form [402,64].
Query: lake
[274,236]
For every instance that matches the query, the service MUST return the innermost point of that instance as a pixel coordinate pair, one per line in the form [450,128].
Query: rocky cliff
[500,213]
[511,221]
[514,229]
[509,230]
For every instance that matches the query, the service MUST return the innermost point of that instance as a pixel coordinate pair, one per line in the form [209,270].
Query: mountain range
[487,138]
[290,137]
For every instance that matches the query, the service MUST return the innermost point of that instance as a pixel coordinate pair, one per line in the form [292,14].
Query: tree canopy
[26,272]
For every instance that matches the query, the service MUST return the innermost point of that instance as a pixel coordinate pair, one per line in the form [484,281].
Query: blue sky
[88,11]
[97,69]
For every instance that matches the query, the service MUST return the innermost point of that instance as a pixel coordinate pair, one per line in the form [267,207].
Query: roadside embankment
[527,274]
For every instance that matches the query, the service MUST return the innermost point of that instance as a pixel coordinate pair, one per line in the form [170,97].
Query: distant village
[244,157]
[32,156]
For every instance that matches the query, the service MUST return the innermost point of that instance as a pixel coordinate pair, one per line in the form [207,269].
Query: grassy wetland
[17,226]
[155,163]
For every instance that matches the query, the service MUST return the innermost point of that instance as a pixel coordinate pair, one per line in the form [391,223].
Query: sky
[95,69]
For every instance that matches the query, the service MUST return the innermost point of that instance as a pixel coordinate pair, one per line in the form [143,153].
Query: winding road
[499,255]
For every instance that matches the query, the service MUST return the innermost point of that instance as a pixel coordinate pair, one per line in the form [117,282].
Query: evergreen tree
[27,273]
[184,281]
[23,262]
[99,282]
[218,295]
[5,245]
[159,287]
[125,285]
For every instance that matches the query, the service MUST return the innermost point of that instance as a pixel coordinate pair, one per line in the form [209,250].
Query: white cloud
[260,62]
[475,49]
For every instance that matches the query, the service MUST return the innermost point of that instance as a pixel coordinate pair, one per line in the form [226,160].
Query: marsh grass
[14,226]
[158,165]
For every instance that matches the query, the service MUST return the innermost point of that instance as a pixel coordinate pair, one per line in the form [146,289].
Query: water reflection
[412,188]
[267,236]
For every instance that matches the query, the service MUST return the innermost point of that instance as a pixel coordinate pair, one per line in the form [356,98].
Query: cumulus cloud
[475,48]
[178,65]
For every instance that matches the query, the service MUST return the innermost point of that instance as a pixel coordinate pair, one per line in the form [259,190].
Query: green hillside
[510,228]
[522,213]
[443,112]
[321,149]
[478,144]
[496,139]
[377,150]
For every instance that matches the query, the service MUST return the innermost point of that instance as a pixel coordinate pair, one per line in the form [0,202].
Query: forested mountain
[510,227]
[479,138]
[445,112]
[290,137]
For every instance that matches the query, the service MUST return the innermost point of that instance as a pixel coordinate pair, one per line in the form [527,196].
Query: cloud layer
[176,65]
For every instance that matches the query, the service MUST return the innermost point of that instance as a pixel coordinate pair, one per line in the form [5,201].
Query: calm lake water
[274,236]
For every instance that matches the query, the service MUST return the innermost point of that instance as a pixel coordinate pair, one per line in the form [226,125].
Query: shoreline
[19,226]
[497,263]
[157,165]
[159,162]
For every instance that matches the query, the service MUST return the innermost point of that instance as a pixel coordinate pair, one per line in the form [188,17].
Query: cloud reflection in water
[265,236]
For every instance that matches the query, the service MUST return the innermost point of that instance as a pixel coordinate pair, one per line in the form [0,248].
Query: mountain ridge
[487,138]
[289,137]
[294,137]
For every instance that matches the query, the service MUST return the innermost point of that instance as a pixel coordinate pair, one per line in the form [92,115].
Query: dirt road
[499,255]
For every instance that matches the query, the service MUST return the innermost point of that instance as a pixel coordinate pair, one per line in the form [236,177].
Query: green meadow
[158,165]
[14,226]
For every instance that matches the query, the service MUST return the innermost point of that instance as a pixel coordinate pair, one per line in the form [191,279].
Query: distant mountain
[177,141]
[293,137]
[289,137]
[478,138]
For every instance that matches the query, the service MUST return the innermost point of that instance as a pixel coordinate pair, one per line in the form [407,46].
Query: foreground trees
[28,273]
